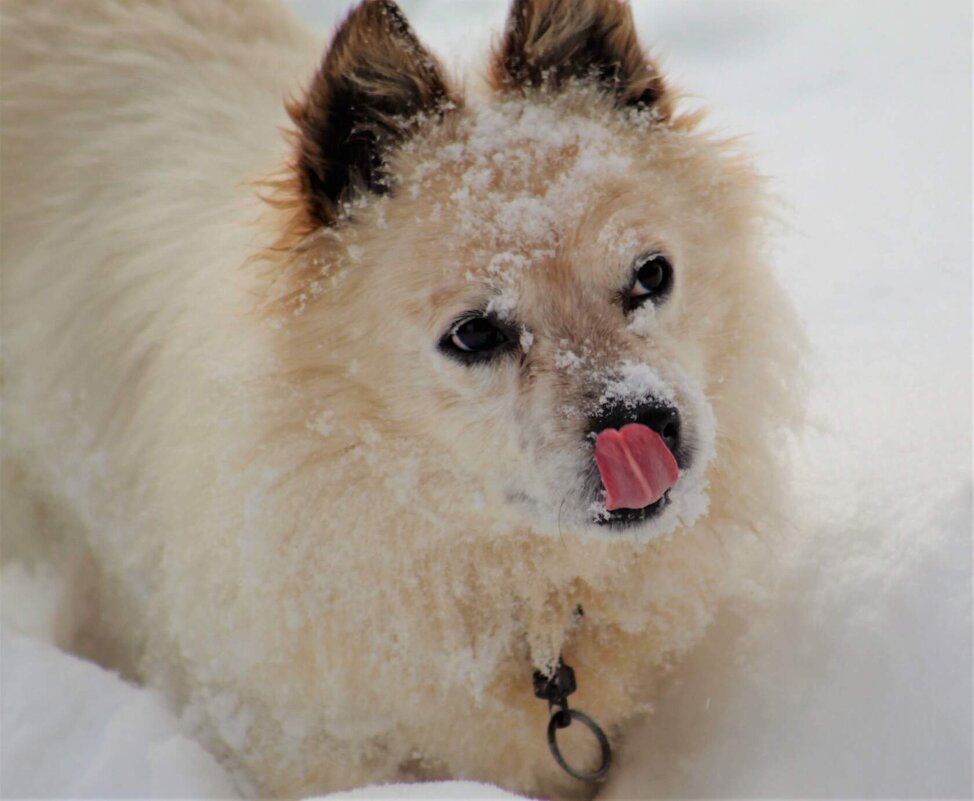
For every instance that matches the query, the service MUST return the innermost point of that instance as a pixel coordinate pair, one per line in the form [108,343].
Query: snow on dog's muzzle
[635,465]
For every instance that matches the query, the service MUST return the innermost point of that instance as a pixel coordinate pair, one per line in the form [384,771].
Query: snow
[80,731]
[447,791]
[858,682]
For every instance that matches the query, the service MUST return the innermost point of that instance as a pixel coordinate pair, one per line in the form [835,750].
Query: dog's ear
[548,43]
[376,82]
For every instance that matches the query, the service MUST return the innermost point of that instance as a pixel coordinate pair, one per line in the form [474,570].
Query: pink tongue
[635,465]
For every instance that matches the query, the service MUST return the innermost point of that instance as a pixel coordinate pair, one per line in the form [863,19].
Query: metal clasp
[555,689]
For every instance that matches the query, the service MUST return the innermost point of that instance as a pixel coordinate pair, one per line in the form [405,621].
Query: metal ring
[559,721]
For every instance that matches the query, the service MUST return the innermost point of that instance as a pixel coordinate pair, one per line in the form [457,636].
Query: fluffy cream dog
[342,456]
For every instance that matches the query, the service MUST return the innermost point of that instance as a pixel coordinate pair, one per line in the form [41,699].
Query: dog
[346,436]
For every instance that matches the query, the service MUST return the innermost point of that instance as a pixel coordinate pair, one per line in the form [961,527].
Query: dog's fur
[342,550]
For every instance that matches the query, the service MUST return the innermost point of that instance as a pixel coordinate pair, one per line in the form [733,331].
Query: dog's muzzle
[637,454]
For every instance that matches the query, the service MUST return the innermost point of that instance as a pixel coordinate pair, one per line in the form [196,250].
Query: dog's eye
[473,339]
[653,279]
[478,334]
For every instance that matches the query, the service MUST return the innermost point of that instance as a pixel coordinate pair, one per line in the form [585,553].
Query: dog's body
[297,502]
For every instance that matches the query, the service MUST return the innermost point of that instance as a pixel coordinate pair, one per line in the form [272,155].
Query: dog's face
[555,274]
[561,256]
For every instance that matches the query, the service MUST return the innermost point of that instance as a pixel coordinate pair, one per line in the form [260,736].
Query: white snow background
[858,684]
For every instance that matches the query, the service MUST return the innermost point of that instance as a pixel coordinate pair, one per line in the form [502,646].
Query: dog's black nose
[657,415]
[664,420]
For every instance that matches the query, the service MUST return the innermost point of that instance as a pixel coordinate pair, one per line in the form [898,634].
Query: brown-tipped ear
[548,43]
[375,82]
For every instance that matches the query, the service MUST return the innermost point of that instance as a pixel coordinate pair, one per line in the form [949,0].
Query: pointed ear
[547,43]
[375,83]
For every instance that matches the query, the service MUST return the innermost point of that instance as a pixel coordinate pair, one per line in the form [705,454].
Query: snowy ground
[859,684]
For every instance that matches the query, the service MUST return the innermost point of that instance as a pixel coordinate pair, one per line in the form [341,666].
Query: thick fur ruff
[229,413]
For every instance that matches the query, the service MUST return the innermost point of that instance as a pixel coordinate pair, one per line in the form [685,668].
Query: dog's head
[553,290]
